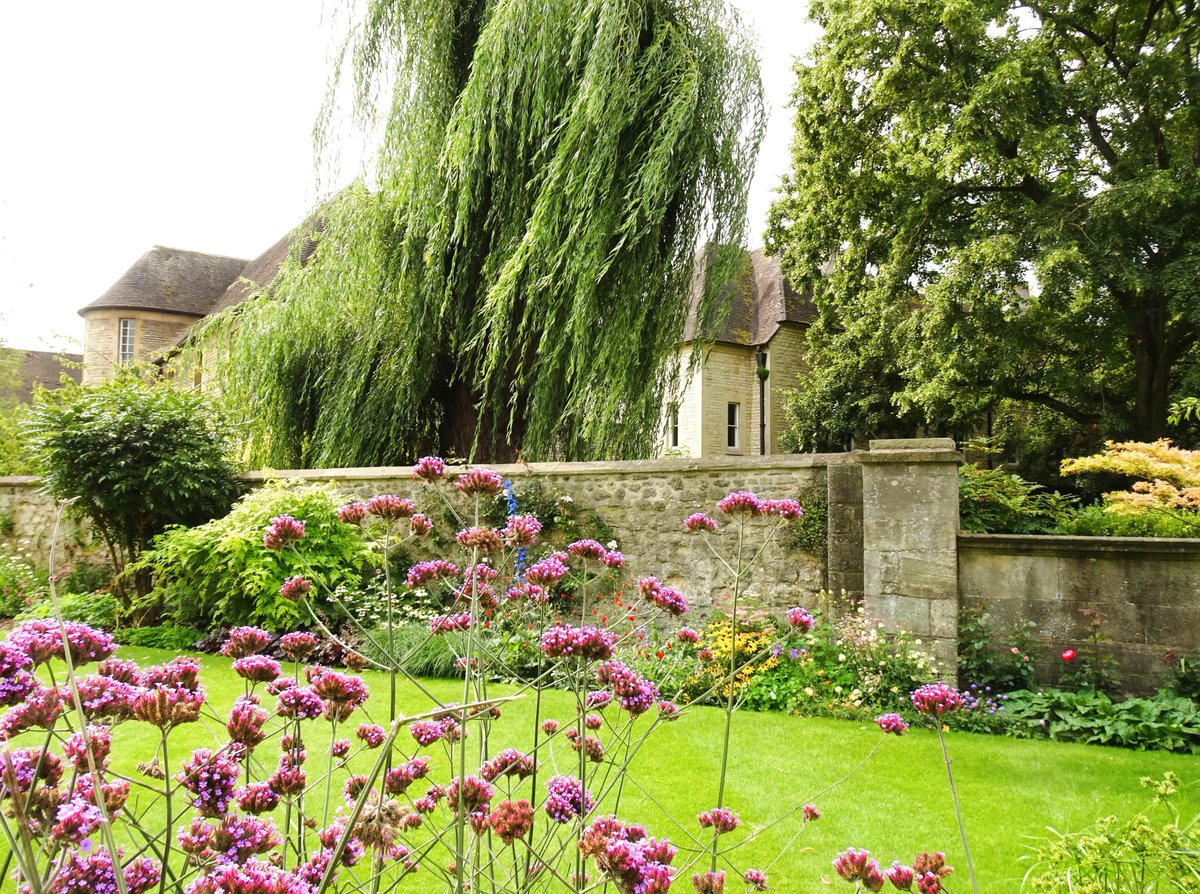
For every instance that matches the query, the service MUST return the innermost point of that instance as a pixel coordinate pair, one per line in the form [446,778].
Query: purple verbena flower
[479,482]
[245,641]
[257,668]
[212,779]
[295,588]
[424,572]
[892,723]
[390,506]
[741,502]
[699,522]
[282,530]
[566,798]
[429,468]
[936,699]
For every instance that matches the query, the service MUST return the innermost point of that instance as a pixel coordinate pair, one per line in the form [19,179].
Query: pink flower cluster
[936,699]
[521,530]
[282,530]
[667,598]
[244,641]
[212,779]
[42,640]
[548,571]
[719,819]
[441,624]
[699,522]
[508,762]
[429,468]
[633,693]
[634,862]
[295,588]
[390,507]
[511,820]
[892,723]
[800,618]
[424,572]
[479,482]
[486,540]
[566,798]
[709,882]
[340,693]
[397,780]
[297,646]
[589,643]
[745,503]
[859,866]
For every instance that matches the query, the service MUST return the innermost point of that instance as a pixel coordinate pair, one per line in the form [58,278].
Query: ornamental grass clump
[314,784]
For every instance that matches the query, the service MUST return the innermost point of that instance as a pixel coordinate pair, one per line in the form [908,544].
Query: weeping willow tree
[514,274]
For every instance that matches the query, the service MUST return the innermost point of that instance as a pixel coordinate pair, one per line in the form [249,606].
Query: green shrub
[135,454]
[1121,857]
[854,666]
[991,654]
[162,636]
[21,586]
[220,575]
[992,501]
[420,654]
[101,610]
[1162,723]
[1102,520]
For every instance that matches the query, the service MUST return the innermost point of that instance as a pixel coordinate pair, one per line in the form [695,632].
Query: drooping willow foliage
[514,276]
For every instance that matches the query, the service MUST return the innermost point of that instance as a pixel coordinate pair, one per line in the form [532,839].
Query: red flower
[1068,654]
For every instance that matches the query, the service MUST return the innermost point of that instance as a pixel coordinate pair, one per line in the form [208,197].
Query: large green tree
[514,273]
[947,154]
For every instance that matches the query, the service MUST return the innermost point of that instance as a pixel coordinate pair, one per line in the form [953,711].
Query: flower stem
[962,829]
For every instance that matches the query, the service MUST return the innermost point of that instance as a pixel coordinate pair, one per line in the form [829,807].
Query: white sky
[143,122]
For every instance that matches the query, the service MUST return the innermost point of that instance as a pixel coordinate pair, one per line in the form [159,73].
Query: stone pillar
[844,530]
[910,540]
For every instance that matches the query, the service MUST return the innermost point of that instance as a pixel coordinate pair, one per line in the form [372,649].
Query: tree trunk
[1154,352]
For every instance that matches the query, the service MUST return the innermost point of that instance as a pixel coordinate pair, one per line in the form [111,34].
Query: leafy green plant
[135,455]
[809,533]
[993,501]
[1102,520]
[1164,722]
[1121,856]
[1185,675]
[21,585]
[160,636]
[991,654]
[101,610]
[852,667]
[218,574]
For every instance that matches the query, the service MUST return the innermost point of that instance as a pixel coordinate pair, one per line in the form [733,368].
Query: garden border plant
[499,828]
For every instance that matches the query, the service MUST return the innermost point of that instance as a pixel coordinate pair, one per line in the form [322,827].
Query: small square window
[733,436]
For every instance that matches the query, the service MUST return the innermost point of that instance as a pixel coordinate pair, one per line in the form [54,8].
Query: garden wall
[891,539]
[645,503]
[1147,588]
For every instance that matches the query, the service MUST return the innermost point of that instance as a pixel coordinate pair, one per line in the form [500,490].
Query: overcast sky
[144,122]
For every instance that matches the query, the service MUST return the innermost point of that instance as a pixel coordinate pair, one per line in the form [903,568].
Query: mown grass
[889,796]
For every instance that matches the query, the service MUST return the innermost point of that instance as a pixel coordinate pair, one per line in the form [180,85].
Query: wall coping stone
[13,480]
[622,467]
[1072,545]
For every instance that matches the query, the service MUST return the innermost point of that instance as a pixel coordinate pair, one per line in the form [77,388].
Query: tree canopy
[1010,192]
[514,273]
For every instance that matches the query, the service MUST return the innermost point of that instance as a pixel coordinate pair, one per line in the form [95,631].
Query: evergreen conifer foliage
[514,275]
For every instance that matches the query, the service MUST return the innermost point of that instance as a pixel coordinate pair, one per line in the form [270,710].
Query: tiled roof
[259,273]
[171,280]
[762,301]
[41,368]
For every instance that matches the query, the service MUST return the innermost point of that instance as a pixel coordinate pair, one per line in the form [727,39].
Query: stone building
[154,307]
[732,404]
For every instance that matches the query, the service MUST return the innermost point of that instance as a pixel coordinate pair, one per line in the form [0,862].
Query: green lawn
[897,803]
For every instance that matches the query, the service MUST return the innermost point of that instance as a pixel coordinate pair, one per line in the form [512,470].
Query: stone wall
[27,518]
[1148,589]
[646,502]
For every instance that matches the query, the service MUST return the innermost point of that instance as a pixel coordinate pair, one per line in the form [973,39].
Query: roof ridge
[202,254]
